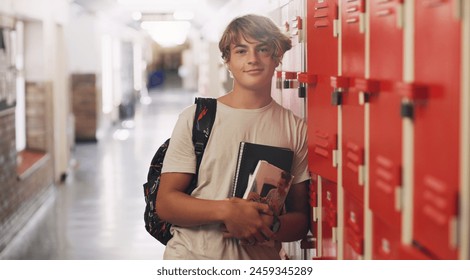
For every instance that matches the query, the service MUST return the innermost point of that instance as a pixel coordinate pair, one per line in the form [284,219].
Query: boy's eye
[240,51]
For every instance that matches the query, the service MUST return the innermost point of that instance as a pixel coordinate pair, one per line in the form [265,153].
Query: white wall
[83,42]
[34,51]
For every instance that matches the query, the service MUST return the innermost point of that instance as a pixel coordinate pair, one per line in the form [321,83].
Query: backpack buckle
[199,148]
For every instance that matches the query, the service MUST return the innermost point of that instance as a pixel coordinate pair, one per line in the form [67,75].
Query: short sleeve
[300,163]
[180,156]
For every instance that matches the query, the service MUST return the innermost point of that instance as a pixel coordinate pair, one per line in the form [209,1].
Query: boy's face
[251,64]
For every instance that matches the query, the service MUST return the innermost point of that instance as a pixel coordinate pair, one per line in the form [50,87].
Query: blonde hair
[257,28]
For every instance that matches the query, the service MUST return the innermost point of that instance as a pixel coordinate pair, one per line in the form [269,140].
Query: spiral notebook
[249,154]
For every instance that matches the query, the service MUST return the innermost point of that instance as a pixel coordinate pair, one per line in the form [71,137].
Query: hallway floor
[98,212]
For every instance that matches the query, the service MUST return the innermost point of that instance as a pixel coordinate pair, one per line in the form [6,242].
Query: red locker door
[329,219]
[386,63]
[353,66]
[436,126]
[322,62]
[353,144]
[353,37]
[353,228]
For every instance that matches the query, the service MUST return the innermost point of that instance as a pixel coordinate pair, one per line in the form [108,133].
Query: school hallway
[97,213]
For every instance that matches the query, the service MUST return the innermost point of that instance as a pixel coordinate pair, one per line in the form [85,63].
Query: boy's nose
[252,57]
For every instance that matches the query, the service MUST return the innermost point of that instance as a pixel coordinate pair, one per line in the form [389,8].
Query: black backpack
[203,121]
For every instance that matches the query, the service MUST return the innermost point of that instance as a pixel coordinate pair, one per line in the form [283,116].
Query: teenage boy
[209,224]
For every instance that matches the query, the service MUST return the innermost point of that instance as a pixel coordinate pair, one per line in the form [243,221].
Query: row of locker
[384,86]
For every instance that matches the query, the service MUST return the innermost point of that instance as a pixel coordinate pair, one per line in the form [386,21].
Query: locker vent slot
[434,202]
[321,144]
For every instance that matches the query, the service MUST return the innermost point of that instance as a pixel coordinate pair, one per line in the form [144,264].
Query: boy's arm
[242,218]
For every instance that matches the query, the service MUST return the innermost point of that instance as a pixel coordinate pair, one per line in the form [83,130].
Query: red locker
[353,67]
[353,228]
[386,241]
[329,220]
[386,64]
[436,126]
[322,62]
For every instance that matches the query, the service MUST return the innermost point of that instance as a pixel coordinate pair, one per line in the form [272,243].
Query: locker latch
[407,110]
[337,97]
[410,92]
[339,84]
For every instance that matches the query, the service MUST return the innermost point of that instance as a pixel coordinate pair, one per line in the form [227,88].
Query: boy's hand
[248,221]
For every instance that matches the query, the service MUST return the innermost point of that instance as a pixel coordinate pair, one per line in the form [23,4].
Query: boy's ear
[278,60]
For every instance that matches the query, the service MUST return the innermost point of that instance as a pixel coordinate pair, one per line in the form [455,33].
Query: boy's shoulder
[188,112]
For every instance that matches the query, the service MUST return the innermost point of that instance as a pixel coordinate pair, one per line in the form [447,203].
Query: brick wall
[37,109]
[84,104]
[7,160]
[20,196]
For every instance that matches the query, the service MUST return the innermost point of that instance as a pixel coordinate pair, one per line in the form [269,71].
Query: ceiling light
[167,33]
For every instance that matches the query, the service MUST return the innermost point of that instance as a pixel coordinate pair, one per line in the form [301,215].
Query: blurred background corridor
[97,213]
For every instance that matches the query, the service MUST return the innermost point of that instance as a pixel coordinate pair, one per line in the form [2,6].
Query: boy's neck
[245,99]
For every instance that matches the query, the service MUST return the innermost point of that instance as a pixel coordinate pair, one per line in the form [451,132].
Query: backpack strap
[202,126]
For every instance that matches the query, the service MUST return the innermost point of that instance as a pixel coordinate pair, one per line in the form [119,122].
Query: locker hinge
[361,174]
[334,157]
[400,16]
[315,214]
[362,23]
[454,232]
[334,235]
[336,28]
[454,225]
[398,198]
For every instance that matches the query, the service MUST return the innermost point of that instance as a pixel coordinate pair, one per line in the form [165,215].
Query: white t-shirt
[271,125]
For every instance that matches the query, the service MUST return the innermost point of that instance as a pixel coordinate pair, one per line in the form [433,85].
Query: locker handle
[411,91]
[339,82]
[307,78]
[367,85]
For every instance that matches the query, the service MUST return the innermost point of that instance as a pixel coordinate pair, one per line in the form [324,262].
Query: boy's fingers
[264,208]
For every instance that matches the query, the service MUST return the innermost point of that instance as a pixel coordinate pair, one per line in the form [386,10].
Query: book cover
[269,184]
[249,154]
